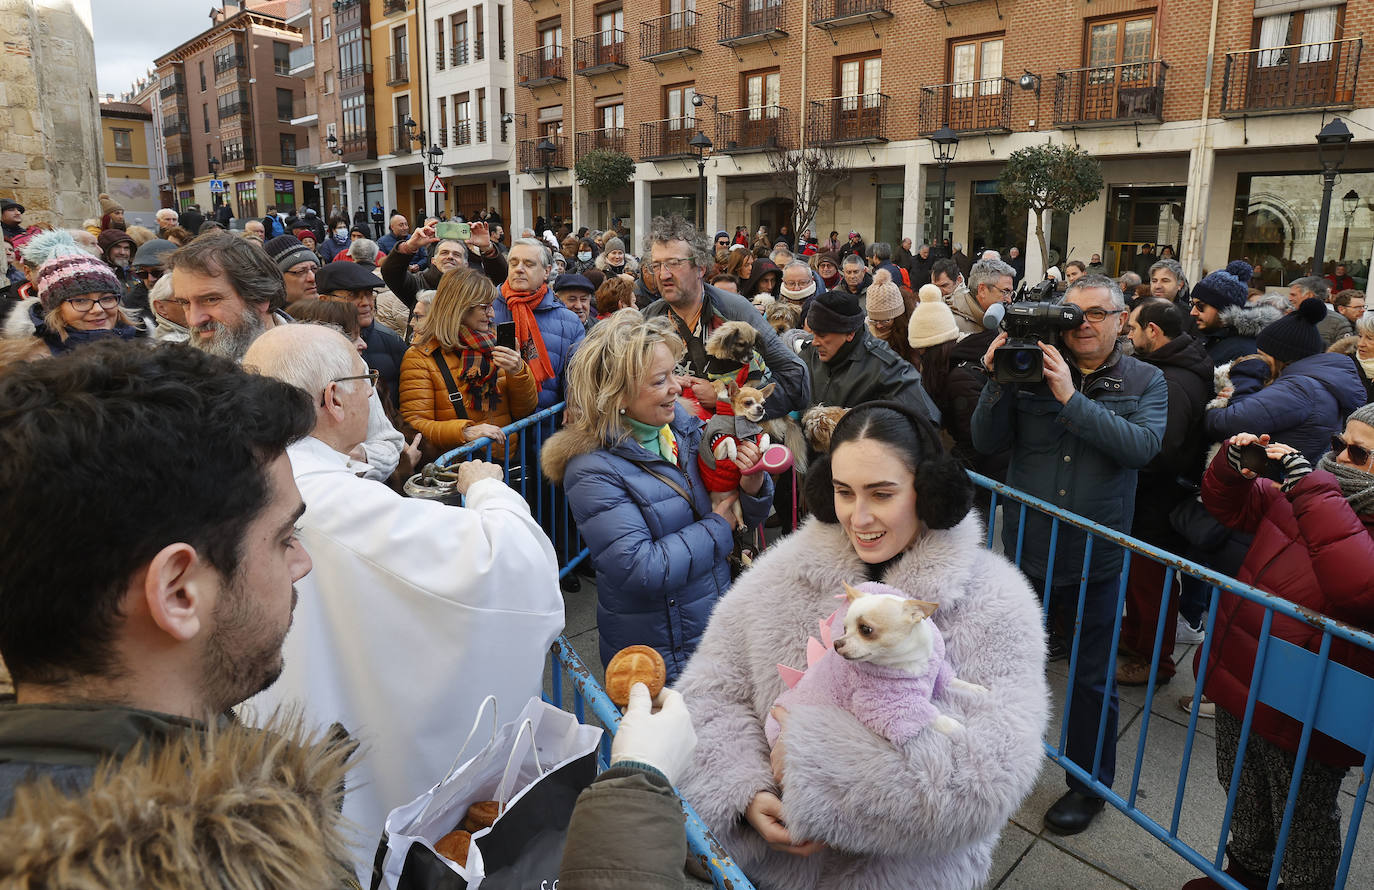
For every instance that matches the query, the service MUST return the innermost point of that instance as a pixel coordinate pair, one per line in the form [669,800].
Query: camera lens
[1022,360]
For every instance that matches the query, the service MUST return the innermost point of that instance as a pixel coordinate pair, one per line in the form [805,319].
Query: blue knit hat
[1295,335]
[1242,270]
[1221,290]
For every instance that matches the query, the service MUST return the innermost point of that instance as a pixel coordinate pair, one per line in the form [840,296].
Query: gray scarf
[1356,485]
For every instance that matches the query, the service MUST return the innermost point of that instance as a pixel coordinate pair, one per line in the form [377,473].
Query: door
[975,93]
[859,111]
[680,31]
[551,52]
[762,97]
[681,120]
[1118,82]
[610,42]
[1298,62]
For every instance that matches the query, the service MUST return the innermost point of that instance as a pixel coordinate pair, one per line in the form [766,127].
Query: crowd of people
[238,413]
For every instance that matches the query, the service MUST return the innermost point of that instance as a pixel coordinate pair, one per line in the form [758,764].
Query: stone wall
[50,151]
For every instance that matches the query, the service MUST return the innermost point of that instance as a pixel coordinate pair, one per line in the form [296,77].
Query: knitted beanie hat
[108,204]
[1221,290]
[932,322]
[614,244]
[1364,415]
[287,250]
[1295,336]
[1242,270]
[70,272]
[884,297]
[835,312]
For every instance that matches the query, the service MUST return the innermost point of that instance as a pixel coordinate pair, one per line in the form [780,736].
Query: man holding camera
[1078,438]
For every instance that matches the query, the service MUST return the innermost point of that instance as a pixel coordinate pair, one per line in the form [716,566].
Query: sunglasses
[1358,455]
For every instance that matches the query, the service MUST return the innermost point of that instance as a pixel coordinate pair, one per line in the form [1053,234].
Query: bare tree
[807,176]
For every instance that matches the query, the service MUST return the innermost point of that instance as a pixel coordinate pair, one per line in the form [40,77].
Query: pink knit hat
[70,272]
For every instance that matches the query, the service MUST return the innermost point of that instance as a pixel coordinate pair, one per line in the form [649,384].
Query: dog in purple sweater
[886,668]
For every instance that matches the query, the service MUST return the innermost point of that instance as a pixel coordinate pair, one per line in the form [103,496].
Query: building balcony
[302,60]
[176,125]
[599,53]
[179,172]
[236,160]
[749,21]
[169,89]
[458,55]
[975,106]
[462,133]
[354,79]
[232,112]
[531,160]
[356,148]
[401,143]
[481,131]
[303,111]
[229,69]
[828,14]
[397,69]
[1298,77]
[1110,94]
[608,139]
[540,67]
[754,129]
[390,7]
[667,139]
[848,120]
[670,36]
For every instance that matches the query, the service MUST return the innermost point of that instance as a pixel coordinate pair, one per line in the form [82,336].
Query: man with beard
[163,624]
[229,289]
[446,592]
[117,250]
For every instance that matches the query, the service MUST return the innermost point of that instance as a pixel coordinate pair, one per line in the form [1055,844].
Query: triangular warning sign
[437,187]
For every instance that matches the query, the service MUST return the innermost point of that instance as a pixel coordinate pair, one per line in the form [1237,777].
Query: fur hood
[19,323]
[631,264]
[1248,321]
[1345,345]
[227,808]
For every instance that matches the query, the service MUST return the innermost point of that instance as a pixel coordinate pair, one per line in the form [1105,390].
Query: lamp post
[333,143]
[548,150]
[1350,202]
[213,164]
[1332,143]
[435,155]
[946,144]
[701,143]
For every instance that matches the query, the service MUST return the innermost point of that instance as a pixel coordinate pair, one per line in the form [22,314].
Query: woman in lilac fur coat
[853,811]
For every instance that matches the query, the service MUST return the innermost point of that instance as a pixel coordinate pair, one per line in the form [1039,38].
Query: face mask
[341,233]
[584,255]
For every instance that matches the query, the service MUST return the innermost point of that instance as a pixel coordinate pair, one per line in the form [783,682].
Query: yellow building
[126,135]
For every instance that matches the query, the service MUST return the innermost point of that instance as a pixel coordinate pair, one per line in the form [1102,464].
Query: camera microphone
[992,318]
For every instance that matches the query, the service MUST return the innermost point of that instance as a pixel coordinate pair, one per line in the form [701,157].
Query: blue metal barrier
[1307,686]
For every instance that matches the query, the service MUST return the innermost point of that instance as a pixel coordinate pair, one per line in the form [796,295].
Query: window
[501,32]
[861,77]
[551,121]
[551,41]
[205,114]
[462,113]
[1120,41]
[285,102]
[352,53]
[502,111]
[284,191]
[976,61]
[761,90]
[611,111]
[281,57]
[288,149]
[202,76]
[458,28]
[443,122]
[124,145]
[328,83]
[324,28]
[400,42]
[1312,29]
[608,23]
[354,118]
[479,37]
[482,114]
[677,103]
[439,54]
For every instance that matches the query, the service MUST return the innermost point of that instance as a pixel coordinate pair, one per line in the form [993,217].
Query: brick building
[1216,158]
[227,101]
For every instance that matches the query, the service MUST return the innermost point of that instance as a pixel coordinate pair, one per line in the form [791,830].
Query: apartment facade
[226,101]
[1205,125]
[127,143]
[317,108]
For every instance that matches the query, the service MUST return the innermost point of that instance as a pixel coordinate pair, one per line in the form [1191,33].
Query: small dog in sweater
[738,412]
[885,669]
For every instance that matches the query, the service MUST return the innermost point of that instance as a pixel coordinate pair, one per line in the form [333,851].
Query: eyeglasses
[371,377]
[308,270]
[672,264]
[149,272]
[84,304]
[1359,455]
[1097,314]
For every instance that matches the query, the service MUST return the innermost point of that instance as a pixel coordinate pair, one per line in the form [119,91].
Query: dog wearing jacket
[739,409]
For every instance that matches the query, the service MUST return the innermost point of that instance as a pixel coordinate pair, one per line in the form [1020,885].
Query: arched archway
[771,213]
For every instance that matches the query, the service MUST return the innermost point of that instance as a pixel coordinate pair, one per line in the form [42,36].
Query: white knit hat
[931,321]
[884,297]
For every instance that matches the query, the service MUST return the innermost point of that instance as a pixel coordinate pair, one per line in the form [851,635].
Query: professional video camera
[1028,321]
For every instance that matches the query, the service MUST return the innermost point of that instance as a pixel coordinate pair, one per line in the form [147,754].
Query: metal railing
[1108,94]
[458,53]
[479,46]
[462,133]
[749,21]
[668,138]
[540,66]
[843,120]
[401,142]
[599,52]
[605,139]
[668,36]
[754,129]
[398,69]
[176,88]
[176,125]
[232,110]
[1288,78]
[530,160]
[481,130]
[836,13]
[228,63]
[975,106]
[236,160]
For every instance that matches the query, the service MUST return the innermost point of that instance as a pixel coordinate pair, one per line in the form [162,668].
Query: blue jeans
[1091,674]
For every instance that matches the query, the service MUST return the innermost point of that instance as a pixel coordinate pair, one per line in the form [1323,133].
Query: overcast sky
[129,36]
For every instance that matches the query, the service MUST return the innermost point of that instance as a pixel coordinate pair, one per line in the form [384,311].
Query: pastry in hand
[481,815]
[631,665]
[454,846]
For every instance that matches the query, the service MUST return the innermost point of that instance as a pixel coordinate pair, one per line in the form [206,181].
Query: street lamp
[1332,143]
[213,164]
[435,155]
[701,143]
[1350,202]
[946,144]
[548,150]
[333,143]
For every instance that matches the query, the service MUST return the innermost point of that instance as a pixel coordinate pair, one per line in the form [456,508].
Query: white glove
[663,740]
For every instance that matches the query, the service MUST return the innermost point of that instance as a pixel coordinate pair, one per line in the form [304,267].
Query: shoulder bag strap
[454,396]
[672,483]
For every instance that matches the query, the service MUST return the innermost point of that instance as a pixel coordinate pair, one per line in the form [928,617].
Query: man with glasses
[387,621]
[145,270]
[1077,440]
[298,265]
[723,241]
[989,282]
[345,282]
[677,259]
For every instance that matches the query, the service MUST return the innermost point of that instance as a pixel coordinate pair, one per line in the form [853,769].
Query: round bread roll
[481,815]
[454,846]
[631,665]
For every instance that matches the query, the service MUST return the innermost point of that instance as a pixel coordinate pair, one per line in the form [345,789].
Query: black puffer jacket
[866,370]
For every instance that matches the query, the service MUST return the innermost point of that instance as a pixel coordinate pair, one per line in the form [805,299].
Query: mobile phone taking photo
[505,335]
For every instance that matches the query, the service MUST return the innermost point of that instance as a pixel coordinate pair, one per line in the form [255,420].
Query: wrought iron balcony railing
[668,36]
[749,21]
[845,120]
[600,52]
[754,129]
[1110,94]
[974,106]
[540,67]
[1299,76]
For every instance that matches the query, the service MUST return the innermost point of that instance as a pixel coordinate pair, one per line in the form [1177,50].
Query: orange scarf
[527,336]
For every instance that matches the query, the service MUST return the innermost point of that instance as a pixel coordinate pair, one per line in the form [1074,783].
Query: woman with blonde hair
[456,384]
[627,460]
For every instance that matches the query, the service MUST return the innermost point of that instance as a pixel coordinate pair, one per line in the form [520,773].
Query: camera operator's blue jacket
[1082,456]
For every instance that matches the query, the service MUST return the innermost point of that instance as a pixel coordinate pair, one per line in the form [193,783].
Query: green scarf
[657,440]
[1356,485]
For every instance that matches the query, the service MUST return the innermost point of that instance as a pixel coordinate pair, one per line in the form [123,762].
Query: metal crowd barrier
[1324,696]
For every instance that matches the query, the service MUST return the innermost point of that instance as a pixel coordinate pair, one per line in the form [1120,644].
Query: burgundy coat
[1309,548]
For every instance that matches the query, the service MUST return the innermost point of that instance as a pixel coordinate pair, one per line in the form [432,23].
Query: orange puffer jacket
[425,404]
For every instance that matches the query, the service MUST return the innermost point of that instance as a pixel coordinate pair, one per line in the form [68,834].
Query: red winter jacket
[1309,548]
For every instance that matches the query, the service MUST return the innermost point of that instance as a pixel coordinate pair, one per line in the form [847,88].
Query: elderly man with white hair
[167,218]
[386,624]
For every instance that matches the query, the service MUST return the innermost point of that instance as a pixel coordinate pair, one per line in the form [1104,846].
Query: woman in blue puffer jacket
[1311,393]
[627,459]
